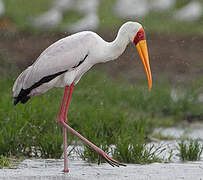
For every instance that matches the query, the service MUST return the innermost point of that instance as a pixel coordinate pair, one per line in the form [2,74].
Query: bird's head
[136,35]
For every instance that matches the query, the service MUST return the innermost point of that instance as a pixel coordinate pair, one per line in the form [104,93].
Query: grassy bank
[105,111]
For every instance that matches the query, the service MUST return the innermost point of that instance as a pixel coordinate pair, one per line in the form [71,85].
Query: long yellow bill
[143,52]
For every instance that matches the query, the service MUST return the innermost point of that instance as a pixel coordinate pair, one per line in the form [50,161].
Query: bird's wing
[61,56]
[19,82]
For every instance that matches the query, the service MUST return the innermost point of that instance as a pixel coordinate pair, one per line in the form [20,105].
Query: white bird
[2,8]
[161,5]
[132,8]
[189,13]
[89,22]
[48,20]
[54,15]
[63,64]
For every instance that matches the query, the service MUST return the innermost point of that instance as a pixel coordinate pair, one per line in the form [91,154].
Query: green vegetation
[5,162]
[190,151]
[104,111]
[155,21]
[124,140]
[135,150]
[117,117]
[20,16]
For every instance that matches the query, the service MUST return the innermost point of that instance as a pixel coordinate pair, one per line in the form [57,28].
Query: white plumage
[54,15]
[89,22]
[132,8]
[63,55]
[64,63]
[189,13]
[2,8]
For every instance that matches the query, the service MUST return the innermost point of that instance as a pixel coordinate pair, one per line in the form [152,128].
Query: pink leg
[65,131]
[65,150]
[98,150]
[61,118]
[68,102]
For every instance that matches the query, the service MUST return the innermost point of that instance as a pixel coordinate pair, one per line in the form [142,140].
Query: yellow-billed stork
[63,64]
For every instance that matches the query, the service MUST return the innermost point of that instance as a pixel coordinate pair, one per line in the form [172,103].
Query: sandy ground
[51,169]
[48,169]
[79,170]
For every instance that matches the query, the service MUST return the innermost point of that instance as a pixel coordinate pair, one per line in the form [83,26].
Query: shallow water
[51,169]
[195,132]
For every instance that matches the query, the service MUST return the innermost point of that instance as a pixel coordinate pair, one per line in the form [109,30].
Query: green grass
[154,22]
[5,162]
[128,139]
[105,111]
[133,149]
[182,3]
[20,16]
[190,151]
[25,130]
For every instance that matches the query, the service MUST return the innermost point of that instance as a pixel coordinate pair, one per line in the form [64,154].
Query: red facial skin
[139,36]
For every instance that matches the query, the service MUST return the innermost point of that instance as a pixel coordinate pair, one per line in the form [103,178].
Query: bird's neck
[117,47]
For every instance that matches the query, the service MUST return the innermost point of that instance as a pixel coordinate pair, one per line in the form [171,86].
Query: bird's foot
[108,159]
[65,170]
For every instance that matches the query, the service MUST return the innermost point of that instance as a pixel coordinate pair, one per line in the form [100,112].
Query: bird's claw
[109,160]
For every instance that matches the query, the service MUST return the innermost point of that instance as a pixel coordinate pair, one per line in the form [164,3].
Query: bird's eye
[140,35]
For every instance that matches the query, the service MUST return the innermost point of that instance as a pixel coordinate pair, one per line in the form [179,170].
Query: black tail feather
[25,99]
[22,97]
